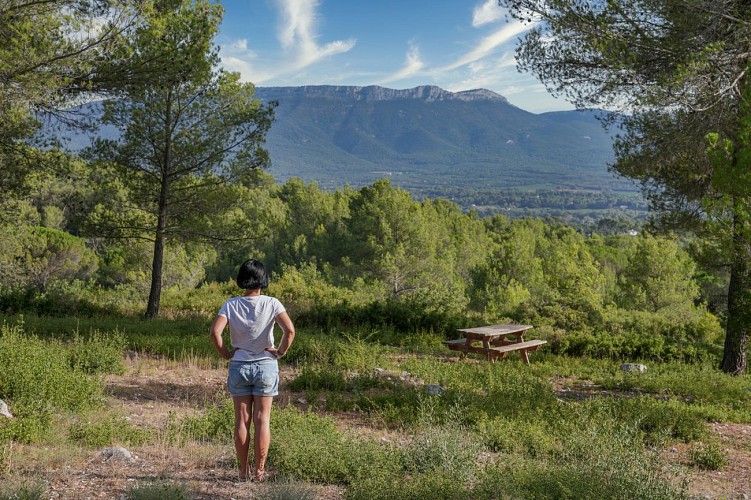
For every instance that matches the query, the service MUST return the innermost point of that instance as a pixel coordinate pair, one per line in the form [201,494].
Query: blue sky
[454,44]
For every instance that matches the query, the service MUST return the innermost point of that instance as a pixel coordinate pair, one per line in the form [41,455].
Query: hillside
[427,137]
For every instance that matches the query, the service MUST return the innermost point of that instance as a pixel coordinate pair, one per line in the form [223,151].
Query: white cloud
[412,65]
[486,13]
[488,44]
[297,34]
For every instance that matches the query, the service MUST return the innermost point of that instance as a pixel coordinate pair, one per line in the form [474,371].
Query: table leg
[525,357]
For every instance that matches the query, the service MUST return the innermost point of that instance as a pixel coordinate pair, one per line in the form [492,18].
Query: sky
[453,44]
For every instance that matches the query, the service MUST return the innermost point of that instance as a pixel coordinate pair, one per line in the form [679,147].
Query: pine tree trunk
[155,293]
[157,265]
[739,302]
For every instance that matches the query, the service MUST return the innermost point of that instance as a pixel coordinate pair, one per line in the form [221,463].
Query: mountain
[427,137]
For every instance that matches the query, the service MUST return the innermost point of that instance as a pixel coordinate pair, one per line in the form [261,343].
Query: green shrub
[702,385]
[111,430]
[158,491]
[447,450]
[37,379]
[708,456]
[437,485]
[309,447]
[657,419]
[216,424]
[24,491]
[597,459]
[533,439]
[97,352]
[289,490]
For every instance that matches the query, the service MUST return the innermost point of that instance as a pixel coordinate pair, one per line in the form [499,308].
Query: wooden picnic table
[495,341]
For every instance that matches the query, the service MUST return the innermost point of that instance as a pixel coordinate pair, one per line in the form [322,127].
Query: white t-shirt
[251,325]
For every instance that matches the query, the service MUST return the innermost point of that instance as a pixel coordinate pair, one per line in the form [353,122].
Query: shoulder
[274,302]
[229,304]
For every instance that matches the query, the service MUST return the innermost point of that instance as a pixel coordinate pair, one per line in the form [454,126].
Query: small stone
[4,410]
[673,450]
[378,370]
[116,453]
[302,401]
[633,367]
[406,374]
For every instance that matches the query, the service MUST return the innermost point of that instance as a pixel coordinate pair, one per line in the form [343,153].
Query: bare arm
[216,337]
[288,336]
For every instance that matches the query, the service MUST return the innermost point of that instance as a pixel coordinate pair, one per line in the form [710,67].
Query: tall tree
[680,69]
[186,133]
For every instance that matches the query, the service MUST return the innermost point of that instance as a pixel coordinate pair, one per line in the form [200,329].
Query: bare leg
[261,433]
[243,409]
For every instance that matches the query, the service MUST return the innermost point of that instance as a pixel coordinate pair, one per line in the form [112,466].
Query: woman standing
[253,378]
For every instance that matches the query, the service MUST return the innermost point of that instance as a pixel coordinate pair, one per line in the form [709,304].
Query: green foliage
[24,491]
[43,255]
[708,456]
[658,420]
[446,450]
[309,447]
[39,373]
[216,424]
[289,490]
[112,430]
[97,352]
[158,490]
[437,485]
[658,277]
[518,436]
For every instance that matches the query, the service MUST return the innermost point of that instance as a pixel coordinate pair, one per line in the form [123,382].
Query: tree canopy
[677,71]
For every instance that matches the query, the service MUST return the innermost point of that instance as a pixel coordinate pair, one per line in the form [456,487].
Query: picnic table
[495,341]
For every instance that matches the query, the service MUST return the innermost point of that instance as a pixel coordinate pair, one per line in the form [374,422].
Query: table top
[496,330]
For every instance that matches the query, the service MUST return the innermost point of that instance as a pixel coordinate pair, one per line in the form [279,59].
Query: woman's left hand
[274,352]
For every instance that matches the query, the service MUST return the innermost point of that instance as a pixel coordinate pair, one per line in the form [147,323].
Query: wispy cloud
[297,33]
[236,56]
[487,45]
[412,65]
[486,13]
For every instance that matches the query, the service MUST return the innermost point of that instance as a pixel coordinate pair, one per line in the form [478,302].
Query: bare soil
[152,389]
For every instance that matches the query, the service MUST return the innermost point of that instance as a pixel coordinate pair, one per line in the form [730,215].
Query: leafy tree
[35,256]
[659,275]
[681,70]
[403,245]
[187,133]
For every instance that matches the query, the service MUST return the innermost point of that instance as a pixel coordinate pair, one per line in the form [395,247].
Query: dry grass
[152,389]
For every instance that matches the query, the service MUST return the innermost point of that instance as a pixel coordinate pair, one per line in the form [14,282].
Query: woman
[253,378]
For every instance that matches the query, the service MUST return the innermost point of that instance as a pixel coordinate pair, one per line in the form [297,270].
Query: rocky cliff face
[373,93]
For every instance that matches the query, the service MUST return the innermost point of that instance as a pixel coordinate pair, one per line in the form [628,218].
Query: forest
[114,260]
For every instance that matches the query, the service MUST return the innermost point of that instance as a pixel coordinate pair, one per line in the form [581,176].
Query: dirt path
[152,390]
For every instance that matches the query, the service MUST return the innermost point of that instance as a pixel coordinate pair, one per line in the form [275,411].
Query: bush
[110,431]
[217,424]
[158,491]
[25,491]
[97,352]
[309,447]
[708,456]
[658,420]
[450,451]
[597,459]
[36,379]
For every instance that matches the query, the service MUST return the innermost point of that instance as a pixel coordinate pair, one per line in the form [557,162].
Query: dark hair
[252,275]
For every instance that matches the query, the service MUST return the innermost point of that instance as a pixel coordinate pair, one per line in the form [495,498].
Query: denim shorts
[253,378]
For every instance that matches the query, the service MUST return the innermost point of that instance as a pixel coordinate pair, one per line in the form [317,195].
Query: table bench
[495,341]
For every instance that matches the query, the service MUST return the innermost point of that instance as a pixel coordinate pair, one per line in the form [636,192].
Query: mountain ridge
[338,135]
